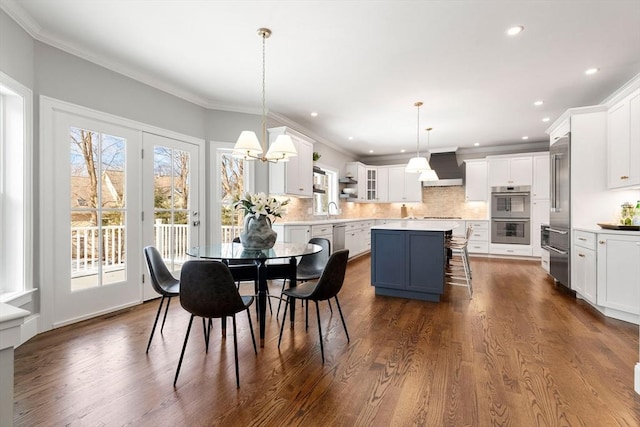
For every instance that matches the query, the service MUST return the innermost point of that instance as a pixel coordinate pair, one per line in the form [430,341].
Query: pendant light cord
[264,96]
[418,130]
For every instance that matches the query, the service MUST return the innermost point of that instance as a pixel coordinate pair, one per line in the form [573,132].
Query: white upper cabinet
[540,187]
[295,177]
[383,184]
[403,186]
[358,172]
[623,139]
[510,171]
[475,187]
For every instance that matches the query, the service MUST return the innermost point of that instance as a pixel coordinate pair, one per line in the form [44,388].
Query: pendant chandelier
[418,164]
[248,146]
[428,175]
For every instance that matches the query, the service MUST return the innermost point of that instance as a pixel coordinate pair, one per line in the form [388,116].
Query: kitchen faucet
[329,209]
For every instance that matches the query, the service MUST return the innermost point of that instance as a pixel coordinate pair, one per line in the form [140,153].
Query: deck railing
[85,253]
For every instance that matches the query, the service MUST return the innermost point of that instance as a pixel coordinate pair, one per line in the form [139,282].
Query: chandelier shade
[429,175]
[248,146]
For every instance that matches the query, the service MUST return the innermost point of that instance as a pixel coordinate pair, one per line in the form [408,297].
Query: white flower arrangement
[260,204]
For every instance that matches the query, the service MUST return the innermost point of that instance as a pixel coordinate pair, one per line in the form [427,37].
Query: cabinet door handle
[623,177]
[301,189]
[601,242]
[581,255]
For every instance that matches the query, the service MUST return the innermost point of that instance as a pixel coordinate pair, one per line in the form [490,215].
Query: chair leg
[166,310]
[253,337]
[284,320]
[330,307]
[235,350]
[306,317]
[319,330]
[184,346]
[155,323]
[342,318]
[207,333]
[284,282]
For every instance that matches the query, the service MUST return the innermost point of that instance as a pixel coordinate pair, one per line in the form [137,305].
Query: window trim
[20,294]
[333,196]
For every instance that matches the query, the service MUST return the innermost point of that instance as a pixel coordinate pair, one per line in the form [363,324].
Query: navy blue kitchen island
[408,258]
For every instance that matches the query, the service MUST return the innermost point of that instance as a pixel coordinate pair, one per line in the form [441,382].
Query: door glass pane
[232,185]
[171,205]
[97,169]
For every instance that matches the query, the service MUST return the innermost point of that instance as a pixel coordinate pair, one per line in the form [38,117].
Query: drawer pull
[623,177]
[601,242]
[582,238]
[581,255]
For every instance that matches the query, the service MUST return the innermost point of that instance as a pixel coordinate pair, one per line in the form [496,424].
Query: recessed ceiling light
[538,103]
[515,30]
[314,114]
[370,151]
[403,150]
[546,119]
[476,144]
[350,138]
[591,71]
[525,137]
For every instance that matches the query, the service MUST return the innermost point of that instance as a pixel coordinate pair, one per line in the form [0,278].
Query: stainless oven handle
[509,220]
[558,251]
[553,230]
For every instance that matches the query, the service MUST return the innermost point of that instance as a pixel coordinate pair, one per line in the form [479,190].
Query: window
[232,184]
[16,250]
[325,191]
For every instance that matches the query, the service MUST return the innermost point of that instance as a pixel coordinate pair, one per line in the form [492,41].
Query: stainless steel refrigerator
[559,246]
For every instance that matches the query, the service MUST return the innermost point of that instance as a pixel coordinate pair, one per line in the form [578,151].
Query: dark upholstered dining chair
[311,266]
[163,283]
[207,290]
[327,287]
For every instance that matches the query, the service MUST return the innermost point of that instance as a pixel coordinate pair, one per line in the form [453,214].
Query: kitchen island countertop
[422,225]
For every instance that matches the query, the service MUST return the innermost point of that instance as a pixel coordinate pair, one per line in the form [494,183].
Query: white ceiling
[362,64]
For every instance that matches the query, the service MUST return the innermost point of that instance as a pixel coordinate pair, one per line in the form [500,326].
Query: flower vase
[257,233]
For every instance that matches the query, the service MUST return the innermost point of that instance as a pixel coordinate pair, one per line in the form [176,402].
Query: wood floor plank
[520,353]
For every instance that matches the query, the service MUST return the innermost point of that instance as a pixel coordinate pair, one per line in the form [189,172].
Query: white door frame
[48,107]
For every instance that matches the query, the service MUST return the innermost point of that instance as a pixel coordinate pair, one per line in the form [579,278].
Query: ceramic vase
[257,233]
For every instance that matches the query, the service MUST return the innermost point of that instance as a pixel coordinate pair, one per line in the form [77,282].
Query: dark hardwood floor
[520,353]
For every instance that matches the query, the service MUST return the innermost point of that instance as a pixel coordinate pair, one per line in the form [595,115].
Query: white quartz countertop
[599,230]
[345,220]
[423,225]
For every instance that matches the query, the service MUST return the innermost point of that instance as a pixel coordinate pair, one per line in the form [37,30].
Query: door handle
[558,251]
[557,231]
[196,223]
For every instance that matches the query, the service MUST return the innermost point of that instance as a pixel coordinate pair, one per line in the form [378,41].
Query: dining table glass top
[236,251]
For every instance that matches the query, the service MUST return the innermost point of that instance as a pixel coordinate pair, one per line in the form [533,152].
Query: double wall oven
[511,215]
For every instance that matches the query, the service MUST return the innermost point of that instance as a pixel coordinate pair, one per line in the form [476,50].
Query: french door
[171,212]
[96,211]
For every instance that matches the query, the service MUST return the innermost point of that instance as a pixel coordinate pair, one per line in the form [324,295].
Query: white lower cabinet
[293,233]
[479,239]
[324,231]
[357,237]
[618,275]
[545,259]
[583,265]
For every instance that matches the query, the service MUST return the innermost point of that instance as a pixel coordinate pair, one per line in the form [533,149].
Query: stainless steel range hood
[446,166]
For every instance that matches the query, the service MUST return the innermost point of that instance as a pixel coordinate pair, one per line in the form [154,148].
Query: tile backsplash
[436,201]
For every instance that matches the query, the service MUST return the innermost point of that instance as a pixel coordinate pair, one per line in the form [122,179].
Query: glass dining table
[256,266]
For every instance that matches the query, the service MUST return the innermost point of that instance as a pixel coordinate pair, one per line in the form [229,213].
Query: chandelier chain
[264,96]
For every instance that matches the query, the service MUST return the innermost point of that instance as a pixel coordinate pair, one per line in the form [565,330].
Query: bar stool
[458,246]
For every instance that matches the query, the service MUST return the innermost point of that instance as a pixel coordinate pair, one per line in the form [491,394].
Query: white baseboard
[636,382]
[30,328]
